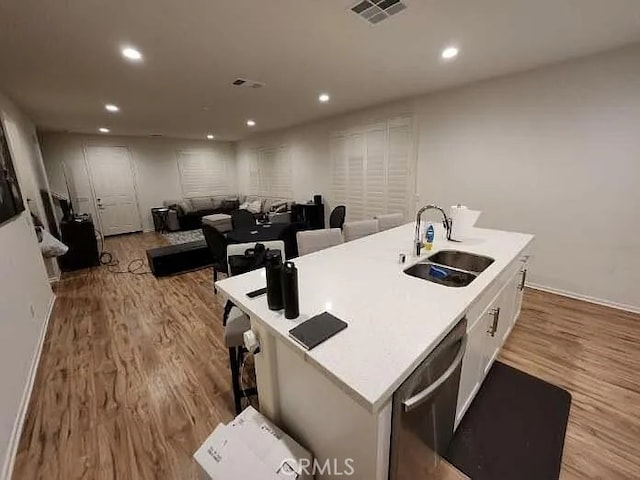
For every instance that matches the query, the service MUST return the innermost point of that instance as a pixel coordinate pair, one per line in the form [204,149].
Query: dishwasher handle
[425,394]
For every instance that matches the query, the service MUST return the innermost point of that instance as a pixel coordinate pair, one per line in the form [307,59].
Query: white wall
[553,152]
[154,159]
[25,294]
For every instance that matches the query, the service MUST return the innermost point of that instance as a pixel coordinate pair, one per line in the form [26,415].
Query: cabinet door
[512,303]
[521,279]
[499,318]
[472,366]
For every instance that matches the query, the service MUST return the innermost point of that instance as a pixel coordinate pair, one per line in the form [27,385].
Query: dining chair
[236,322]
[359,229]
[217,244]
[336,219]
[242,219]
[390,220]
[310,241]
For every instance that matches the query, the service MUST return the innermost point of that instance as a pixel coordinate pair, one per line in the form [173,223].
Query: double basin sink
[451,268]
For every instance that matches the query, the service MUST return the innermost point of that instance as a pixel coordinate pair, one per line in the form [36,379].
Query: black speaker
[80,236]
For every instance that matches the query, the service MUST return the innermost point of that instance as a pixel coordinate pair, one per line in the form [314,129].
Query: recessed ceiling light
[131,53]
[449,53]
[210,136]
[112,108]
[103,130]
[251,123]
[324,97]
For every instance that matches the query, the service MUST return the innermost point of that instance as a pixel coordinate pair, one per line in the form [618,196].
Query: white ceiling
[60,60]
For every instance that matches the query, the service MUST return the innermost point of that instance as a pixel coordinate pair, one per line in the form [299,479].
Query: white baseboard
[12,451]
[585,298]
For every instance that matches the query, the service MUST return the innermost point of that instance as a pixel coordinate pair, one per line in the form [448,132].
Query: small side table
[159,215]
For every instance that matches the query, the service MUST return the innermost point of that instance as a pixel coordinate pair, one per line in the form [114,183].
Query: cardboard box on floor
[251,447]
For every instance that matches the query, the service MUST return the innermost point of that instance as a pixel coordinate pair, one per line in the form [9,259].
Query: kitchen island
[336,399]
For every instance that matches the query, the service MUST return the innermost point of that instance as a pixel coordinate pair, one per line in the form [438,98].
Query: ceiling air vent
[243,82]
[375,11]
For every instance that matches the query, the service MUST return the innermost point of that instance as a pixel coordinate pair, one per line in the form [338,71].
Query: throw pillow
[244,206]
[255,206]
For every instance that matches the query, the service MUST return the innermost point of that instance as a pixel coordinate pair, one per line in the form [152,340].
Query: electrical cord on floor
[108,260]
[242,387]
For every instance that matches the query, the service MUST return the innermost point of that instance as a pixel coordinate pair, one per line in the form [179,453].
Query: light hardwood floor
[134,376]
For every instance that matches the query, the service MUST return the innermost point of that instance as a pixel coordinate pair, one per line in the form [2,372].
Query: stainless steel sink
[451,268]
[449,277]
[468,262]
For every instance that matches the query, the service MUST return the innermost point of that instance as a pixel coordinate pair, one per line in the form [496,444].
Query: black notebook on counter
[316,330]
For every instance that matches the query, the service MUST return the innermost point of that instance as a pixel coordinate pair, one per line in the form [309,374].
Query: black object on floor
[514,429]
[181,258]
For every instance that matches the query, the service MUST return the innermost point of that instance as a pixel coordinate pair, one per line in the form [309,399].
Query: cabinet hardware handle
[495,313]
[524,279]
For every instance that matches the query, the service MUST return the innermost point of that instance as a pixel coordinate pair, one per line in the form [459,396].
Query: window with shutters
[204,173]
[372,169]
[270,172]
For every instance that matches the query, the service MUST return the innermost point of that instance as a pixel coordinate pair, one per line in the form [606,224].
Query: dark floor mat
[514,428]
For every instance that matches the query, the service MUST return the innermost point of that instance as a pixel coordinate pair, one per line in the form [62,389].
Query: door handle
[425,394]
[495,312]
[524,279]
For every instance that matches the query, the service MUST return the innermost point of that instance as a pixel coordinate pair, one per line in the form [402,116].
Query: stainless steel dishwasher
[424,409]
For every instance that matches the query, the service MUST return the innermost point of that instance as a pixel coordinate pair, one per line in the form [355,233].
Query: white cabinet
[472,366]
[499,318]
[488,331]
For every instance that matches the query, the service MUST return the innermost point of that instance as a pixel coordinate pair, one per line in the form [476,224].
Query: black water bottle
[273,269]
[290,290]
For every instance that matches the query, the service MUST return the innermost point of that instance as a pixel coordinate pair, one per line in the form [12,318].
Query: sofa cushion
[229,204]
[280,208]
[278,204]
[185,206]
[217,202]
[202,203]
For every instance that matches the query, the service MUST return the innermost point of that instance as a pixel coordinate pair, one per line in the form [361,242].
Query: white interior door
[114,189]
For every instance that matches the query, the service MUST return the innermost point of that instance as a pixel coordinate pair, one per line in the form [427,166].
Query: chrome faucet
[446,221]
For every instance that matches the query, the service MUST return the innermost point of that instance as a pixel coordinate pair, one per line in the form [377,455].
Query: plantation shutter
[204,173]
[270,172]
[372,169]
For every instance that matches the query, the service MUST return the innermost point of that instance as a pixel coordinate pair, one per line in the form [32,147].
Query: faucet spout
[445,220]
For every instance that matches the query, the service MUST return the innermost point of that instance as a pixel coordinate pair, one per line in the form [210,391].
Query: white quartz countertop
[394,320]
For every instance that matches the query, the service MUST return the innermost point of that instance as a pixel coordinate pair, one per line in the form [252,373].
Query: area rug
[514,429]
[177,238]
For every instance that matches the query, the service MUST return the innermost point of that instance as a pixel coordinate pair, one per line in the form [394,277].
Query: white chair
[240,248]
[355,230]
[390,220]
[236,322]
[310,241]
